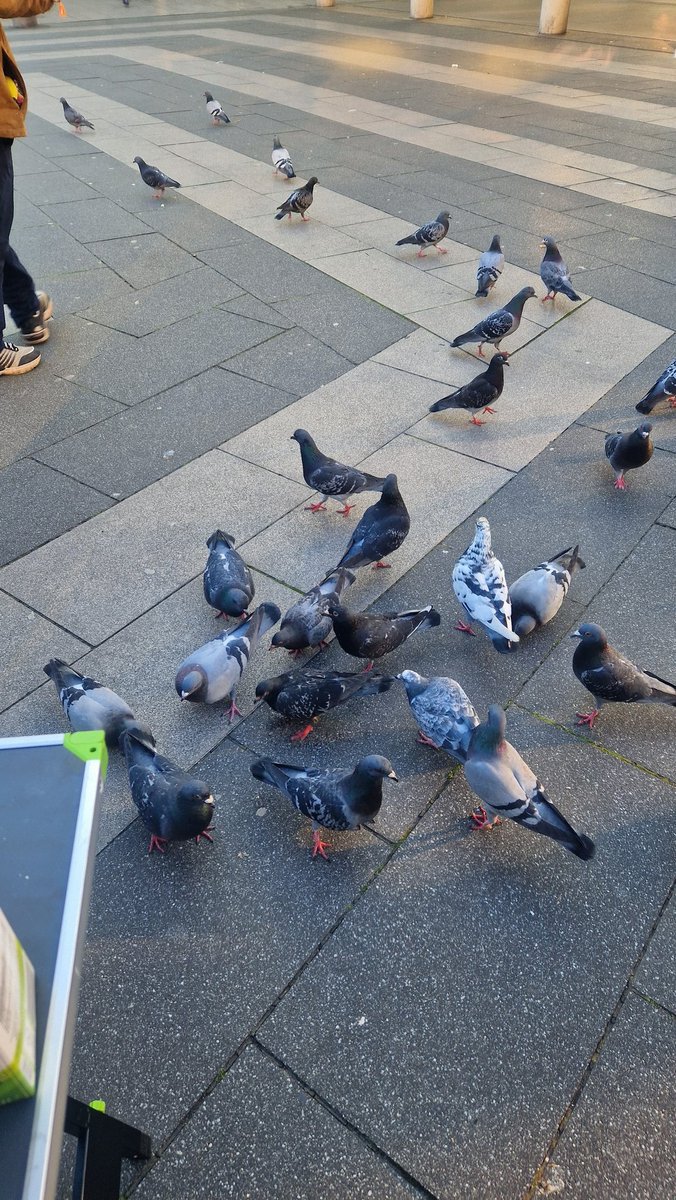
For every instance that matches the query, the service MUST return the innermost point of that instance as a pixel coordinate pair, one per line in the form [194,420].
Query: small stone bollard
[24,21]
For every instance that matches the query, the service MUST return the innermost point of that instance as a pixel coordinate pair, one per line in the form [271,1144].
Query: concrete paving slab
[57,409]
[637,253]
[616,409]
[27,161]
[296,359]
[650,298]
[538,220]
[149,309]
[132,540]
[641,733]
[350,324]
[50,249]
[234,1144]
[656,976]
[87,220]
[230,200]
[386,280]
[430,355]
[463,276]
[144,948]
[37,505]
[53,186]
[307,240]
[440,489]
[441,1103]
[143,443]
[250,306]
[265,271]
[145,259]
[668,517]
[28,641]
[192,227]
[633,1079]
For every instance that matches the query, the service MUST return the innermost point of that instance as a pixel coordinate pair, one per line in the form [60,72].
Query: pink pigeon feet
[381,566]
[475,421]
[206,833]
[441,250]
[672,402]
[345,512]
[588,718]
[319,507]
[549,296]
[301,735]
[621,483]
[234,712]
[318,846]
[480,818]
[157,843]
[423,739]
[421,253]
[462,628]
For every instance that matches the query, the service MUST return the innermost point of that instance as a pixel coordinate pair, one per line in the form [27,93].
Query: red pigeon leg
[303,217]
[423,739]
[320,507]
[462,628]
[441,250]
[489,410]
[234,711]
[157,843]
[621,483]
[345,512]
[318,846]
[475,421]
[206,834]
[588,718]
[481,353]
[381,566]
[421,252]
[301,735]
[672,401]
[479,817]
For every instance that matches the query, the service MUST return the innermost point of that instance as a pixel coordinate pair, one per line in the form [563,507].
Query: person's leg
[13,361]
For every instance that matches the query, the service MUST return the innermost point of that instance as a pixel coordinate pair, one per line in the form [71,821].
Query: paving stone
[298,360]
[191,226]
[429,355]
[48,248]
[350,324]
[536,220]
[57,143]
[437,1100]
[250,306]
[633,607]
[656,976]
[387,280]
[27,161]
[26,215]
[87,219]
[264,271]
[668,517]
[633,221]
[156,944]
[118,181]
[616,409]
[56,410]
[309,240]
[132,540]
[243,1117]
[75,344]
[53,187]
[29,640]
[541,195]
[143,260]
[445,187]
[634,1075]
[153,438]
[37,505]
[149,309]
[633,252]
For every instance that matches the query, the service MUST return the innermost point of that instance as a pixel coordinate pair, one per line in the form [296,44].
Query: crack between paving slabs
[538,1175]
[652,1002]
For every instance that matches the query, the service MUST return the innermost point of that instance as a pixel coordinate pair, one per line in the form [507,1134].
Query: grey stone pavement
[434,1012]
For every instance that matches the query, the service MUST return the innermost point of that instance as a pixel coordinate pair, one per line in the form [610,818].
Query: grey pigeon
[627,451]
[507,787]
[89,705]
[298,202]
[306,623]
[214,670]
[334,799]
[610,677]
[172,805]
[480,392]
[304,695]
[281,159]
[372,635]
[490,267]
[382,529]
[216,111]
[480,585]
[228,584]
[331,478]
[155,178]
[444,713]
[663,389]
[554,272]
[428,235]
[497,325]
[75,118]
[537,596]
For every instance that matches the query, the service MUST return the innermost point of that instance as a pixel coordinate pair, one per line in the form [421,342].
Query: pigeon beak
[543,245]
[393,777]
[576,634]
[210,801]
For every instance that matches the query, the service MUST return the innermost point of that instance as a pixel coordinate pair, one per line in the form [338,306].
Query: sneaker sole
[23,368]
[36,339]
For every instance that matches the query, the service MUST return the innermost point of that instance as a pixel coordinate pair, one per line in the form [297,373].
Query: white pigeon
[480,585]
[281,159]
[214,671]
[538,595]
[216,111]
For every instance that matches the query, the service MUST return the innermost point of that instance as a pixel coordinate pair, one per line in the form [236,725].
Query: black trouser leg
[17,289]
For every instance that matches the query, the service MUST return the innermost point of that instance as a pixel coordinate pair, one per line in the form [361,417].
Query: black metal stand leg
[102,1143]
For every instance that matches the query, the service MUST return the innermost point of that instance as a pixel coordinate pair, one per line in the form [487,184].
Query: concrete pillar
[421,10]
[325,3]
[554,16]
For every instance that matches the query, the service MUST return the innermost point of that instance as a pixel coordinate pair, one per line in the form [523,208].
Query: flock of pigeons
[174,806]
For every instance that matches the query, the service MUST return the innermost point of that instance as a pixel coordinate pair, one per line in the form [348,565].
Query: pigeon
[331,478]
[537,596]
[216,111]
[480,392]
[372,635]
[298,202]
[155,178]
[334,799]
[627,451]
[507,787]
[214,670]
[490,267]
[75,118]
[381,530]
[306,694]
[444,713]
[228,585]
[609,676]
[428,235]
[480,585]
[554,272]
[497,325]
[281,159]
[172,805]
[663,389]
[306,623]
[89,705]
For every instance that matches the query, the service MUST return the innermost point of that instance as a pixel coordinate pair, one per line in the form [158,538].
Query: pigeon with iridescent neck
[428,235]
[173,805]
[306,623]
[554,272]
[611,678]
[444,713]
[331,478]
[216,111]
[628,451]
[497,325]
[213,672]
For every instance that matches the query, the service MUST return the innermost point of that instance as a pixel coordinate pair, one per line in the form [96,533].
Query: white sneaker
[16,360]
